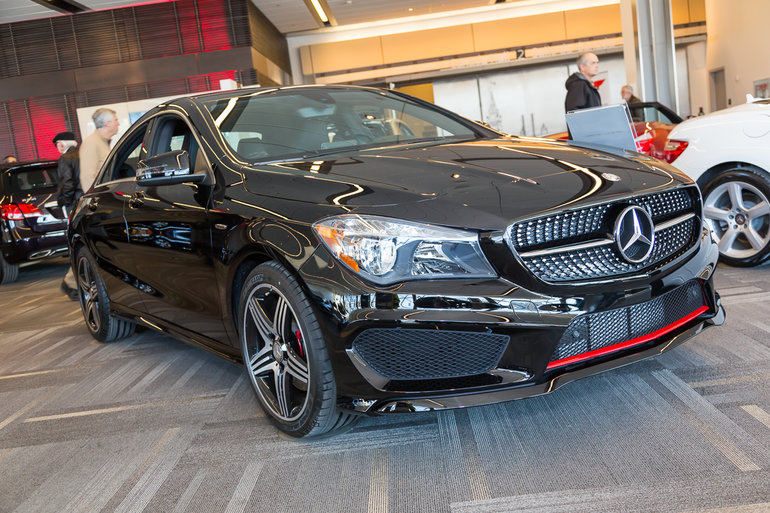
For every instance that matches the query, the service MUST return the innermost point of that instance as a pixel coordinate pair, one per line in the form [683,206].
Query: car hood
[483,184]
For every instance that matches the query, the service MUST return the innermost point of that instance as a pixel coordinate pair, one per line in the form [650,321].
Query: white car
[728,154]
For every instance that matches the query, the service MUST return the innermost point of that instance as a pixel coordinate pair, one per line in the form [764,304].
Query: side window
[126,157]
[173,134]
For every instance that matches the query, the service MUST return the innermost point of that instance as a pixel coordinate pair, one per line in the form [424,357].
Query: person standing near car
[95,147]
[581,92]
[627,92]
[70,189]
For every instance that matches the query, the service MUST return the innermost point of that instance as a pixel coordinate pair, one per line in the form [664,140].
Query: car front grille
[603,330]
[578,245]
[418,354]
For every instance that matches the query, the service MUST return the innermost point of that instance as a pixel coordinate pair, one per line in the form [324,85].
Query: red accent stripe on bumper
[628,343]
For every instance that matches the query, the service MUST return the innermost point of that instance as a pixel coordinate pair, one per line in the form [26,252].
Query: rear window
[31,179]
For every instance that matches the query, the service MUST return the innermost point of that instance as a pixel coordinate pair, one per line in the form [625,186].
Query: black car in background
[32,225]
[365,252]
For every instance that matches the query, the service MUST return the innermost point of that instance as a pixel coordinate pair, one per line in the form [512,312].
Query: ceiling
[287,15]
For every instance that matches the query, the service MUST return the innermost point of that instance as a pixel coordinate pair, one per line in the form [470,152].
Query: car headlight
[385,250]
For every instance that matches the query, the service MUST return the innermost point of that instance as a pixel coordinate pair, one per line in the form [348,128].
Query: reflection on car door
[170,240]
[107,229]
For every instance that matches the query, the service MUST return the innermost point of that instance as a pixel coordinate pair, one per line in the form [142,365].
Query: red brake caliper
[298,334]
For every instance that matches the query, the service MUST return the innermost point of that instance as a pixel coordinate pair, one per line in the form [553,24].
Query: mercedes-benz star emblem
[612,177]
[634,234]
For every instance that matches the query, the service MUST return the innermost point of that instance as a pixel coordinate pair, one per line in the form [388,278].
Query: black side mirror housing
[166,169]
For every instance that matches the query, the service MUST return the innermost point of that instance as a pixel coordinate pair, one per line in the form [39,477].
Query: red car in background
[652,122]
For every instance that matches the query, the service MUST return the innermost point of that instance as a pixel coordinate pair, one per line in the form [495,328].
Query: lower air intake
[404,354]
[601,330]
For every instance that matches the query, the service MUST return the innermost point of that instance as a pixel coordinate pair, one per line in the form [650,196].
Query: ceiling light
[321,12]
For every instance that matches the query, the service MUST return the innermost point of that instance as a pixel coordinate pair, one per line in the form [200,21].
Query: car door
[103,219]
[170,239]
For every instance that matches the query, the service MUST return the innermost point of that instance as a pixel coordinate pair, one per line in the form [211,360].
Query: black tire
[94,302]
[285,354]
[736,206]
[9,273]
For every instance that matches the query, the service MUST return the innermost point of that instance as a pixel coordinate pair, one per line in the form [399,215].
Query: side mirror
[167,169]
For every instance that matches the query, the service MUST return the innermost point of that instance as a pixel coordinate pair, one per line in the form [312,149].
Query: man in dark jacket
[69,170]
[581,93]
[69,192]
[627,92]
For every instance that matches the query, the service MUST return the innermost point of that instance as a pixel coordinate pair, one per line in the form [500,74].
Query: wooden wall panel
[680,12]
[355,53]
[593,21]
[422,91]
[697,10]
[513,32]
[427,44]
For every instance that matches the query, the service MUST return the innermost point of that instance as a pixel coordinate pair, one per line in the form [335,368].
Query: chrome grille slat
[557,253]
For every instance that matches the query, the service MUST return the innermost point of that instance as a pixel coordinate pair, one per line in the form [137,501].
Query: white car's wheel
[736,205]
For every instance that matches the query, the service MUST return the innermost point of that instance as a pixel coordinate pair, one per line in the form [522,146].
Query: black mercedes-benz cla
[365,252]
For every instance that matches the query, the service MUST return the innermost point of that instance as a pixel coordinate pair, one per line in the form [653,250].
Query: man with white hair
[70,189]
[581,93]
[96,147]
[627,92]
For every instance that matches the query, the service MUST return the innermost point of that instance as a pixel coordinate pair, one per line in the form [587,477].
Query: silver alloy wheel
[739,215]
[277,360]
[89,296]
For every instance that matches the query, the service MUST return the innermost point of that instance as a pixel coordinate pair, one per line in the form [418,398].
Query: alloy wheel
[739,215]
[89,296]
[277,357]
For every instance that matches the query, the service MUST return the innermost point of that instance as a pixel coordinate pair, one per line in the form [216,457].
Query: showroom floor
[151,424]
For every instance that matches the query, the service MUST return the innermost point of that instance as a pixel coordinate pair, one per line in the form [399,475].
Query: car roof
[221,95]
[13,166]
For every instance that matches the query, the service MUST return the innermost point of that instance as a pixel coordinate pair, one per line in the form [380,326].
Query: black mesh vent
[597,223]
[596,331]
[429,354]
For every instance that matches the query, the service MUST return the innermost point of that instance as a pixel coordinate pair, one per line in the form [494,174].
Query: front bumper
[423,324]
[554,381]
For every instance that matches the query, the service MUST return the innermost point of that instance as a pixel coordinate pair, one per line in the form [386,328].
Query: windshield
[298,123]
[30,179]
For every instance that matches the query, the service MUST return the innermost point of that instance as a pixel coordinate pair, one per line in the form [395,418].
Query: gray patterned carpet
[151,424]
